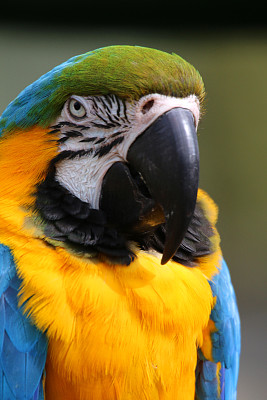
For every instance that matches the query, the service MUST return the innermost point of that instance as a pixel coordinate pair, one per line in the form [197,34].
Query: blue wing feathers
[23,347]
[206,380]
[20,332]
[7,268]
[5,390]
[225,344]
[226,341]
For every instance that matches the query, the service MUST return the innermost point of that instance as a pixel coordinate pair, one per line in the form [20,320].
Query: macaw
[112,280]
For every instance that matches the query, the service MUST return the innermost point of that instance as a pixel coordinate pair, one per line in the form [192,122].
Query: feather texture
[23,348]
[217,372]
[126,330]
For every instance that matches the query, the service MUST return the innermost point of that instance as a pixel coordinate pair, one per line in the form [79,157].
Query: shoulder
[22,346]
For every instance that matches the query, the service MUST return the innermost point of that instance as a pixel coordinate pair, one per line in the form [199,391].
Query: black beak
[167,158]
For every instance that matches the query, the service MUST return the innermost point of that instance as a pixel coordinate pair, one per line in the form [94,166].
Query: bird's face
[97,131]
[102,152]
[134,163]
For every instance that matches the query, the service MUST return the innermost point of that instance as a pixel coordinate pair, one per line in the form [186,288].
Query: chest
[135,336]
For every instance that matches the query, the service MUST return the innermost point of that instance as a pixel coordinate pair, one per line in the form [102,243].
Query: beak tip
[163,261]
[165,257]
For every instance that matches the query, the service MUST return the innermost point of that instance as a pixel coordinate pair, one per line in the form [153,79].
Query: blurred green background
[232,138]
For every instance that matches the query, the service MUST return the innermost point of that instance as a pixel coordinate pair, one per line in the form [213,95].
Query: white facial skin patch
[98,132]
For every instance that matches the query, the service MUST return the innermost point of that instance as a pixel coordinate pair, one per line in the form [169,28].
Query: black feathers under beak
[166,157]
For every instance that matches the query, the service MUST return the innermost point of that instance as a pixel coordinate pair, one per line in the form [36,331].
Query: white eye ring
[76,109]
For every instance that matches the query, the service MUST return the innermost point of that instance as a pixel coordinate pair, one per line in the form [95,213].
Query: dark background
[227,43]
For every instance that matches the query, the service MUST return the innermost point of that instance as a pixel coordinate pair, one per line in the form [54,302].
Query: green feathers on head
[129,72]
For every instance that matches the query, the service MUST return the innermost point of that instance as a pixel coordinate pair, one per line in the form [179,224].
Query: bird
[112,280]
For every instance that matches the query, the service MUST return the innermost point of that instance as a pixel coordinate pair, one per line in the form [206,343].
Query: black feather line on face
[125,111]
[118,106]
[68,155]
[72,133]
[108,100]
[106,125]
[68,135]
[114,122]
[115,134]
[101,140]
[88,140]
[69,124]
[55,130]
[106,149]
[62,140]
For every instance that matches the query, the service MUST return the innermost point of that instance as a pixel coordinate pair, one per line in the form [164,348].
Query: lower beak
[167,158]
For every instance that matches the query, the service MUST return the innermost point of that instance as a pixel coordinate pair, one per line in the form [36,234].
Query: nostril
[147,106]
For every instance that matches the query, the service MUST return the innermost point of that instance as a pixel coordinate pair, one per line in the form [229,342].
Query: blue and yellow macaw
[112,280]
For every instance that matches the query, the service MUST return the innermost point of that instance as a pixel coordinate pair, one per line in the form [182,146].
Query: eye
[76,109]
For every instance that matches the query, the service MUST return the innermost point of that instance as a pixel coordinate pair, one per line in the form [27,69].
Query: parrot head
[108,143]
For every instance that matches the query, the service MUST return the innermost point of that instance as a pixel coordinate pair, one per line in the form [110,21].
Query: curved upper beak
[167,158]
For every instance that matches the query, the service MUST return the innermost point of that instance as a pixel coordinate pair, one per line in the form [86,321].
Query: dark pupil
[77,105]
